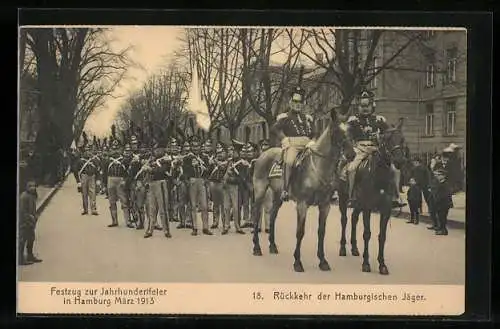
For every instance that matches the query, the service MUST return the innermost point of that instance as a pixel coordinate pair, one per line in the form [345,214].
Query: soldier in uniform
[217,168]
[181,187]
[88,168]
[117,172]
[157,198]
[232,182]
[364,129]
[138,178]
[173,151]
[194,169]
[246,193]
[296,131]
[207,155]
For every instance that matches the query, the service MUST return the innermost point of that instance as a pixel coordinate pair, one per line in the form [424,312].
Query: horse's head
[392,143]
[338,135]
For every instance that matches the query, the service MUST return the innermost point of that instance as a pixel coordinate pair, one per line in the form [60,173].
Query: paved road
[83,249]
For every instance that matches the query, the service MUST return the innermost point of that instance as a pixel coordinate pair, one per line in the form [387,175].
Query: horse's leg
[301,227]
[366,238]
[273,249]
[354,226]
[343,220]
[384,219]
[324,210]
[259,194]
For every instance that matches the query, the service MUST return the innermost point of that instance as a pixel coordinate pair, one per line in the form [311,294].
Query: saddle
[278,165]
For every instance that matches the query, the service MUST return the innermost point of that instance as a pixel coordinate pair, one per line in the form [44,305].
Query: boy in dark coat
[441,192]
[414,196]
[27,223]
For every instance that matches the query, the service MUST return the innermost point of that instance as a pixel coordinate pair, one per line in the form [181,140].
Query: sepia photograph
[289,169]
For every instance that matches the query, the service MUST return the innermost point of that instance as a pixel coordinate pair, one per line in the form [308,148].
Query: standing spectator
[441,192]
[27,224]
[421,174]
[414,201]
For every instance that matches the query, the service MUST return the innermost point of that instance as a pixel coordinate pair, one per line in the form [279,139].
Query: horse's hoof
[298,267]
[273,249]
[324,266]
[383,270]
[342,252]
[257,252]
[355,252]
[366,268]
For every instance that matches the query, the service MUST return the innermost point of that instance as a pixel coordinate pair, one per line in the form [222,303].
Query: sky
[152,45]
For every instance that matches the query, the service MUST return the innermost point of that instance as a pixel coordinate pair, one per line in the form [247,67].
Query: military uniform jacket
[159,169]
[217,171]
[118,167]
[191,170]
[251,170]
[366,128]
[88,166]
[208,162]
[236,171]
[295,125]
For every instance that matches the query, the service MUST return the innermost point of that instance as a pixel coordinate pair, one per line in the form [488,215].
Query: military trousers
[182,202]
[88,192]
[157,203]
[117,191]
[290,153]
[198,198]
[245,202]
[232,204]
[217,193]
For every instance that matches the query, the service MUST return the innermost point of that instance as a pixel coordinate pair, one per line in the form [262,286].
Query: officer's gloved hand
[311,143]
[285,142]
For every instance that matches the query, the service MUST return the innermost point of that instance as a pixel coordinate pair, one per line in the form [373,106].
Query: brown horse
[311,185]
[373,192]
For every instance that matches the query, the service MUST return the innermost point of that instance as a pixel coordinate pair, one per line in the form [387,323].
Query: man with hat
[138,180]
[207,155]
[88,168]
[232,182]
[441,194]
[217,168]
[363,129]
[117,172]
[296,131]
[246,193]
[181,187]
[173,151]
[194,170]
[157,198]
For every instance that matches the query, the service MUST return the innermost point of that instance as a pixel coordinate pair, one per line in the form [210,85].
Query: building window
[451,117]
[429,120]
[429,76]
[451,68]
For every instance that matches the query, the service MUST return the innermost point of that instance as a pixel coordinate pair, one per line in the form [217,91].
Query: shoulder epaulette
[352,118]
[281,116]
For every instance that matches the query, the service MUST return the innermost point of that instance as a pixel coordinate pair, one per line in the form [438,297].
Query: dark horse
[373,192]
[310,185]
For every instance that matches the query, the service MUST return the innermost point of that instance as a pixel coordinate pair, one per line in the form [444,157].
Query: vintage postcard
[242,170]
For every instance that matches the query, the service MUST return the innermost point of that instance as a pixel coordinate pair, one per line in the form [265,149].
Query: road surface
[83,249]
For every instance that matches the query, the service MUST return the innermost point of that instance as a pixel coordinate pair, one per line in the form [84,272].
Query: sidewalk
[46,193]
[456,216]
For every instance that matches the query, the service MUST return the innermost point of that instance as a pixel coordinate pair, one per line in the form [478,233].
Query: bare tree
[348,57]
[100,71]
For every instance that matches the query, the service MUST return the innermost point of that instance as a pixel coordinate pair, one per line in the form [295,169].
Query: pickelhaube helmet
[127,148]
[367,98]
[133,140]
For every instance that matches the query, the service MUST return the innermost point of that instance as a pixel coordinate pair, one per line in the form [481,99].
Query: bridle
[315,153]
